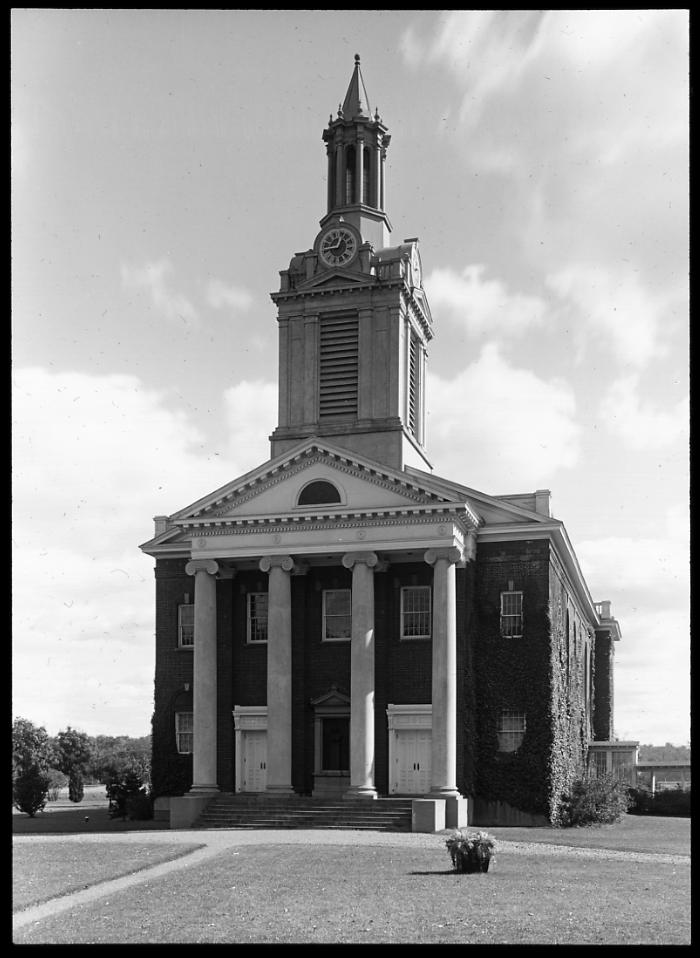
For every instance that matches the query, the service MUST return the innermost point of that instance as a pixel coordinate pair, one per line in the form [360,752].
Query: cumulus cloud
[647,579]
[481,305]
[94,459]
[640,424]
[614,305]
[153,277]
[501,428]
[220,295]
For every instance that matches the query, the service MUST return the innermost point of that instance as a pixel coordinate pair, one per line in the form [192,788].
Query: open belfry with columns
[342,628]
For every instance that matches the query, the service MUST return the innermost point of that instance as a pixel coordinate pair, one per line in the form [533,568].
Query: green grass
[44,870]
[365,894]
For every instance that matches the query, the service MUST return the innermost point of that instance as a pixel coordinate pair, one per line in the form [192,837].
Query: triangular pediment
[334,278]
[271,492]
[334,698]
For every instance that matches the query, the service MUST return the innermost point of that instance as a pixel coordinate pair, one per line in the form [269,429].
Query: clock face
[338,246]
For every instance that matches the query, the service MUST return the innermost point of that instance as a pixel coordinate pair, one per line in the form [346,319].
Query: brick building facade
[341,620]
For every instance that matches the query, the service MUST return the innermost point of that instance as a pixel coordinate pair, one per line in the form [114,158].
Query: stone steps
[257,811]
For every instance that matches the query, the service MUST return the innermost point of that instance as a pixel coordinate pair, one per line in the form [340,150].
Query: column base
[360,791]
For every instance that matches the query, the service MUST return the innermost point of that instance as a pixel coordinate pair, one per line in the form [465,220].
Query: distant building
[341,620]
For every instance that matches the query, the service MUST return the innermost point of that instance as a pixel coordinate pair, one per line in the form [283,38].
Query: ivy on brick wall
[171,772]
[540,675]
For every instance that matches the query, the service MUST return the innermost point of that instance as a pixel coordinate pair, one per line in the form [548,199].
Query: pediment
[273,490]
[335,277]
[334,698]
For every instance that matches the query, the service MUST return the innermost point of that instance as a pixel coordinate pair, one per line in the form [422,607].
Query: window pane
[257,616]
[337,618]
[415,612]
[511,730]
[186,625]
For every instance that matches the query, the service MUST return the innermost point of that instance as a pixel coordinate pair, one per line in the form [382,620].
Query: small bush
[139,807]
[595,801]
[672,803]
[57,781]
[30,790]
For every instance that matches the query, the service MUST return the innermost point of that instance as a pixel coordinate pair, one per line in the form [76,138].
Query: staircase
[297,811]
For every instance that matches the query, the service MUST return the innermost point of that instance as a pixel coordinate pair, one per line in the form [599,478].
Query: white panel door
[254,770]
[412,762]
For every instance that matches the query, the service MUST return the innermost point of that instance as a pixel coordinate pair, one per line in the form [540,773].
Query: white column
[204,777]
[279,673]
[362,675]
[444,685]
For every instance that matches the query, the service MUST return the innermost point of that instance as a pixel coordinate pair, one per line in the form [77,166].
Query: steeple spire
[356,102]
[356,144]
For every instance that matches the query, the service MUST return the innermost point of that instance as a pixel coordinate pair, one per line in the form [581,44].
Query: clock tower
[354,321]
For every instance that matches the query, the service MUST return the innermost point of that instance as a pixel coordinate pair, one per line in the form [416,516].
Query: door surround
[332,704]
[246,718]
[404,718]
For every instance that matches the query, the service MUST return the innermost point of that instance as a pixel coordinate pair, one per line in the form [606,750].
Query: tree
[31,746]
[74,753]
[32,754]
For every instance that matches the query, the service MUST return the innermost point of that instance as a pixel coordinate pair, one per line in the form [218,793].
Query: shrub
[139,807]
[76,789]
[57,781]
[30,788]
[128,797]
[595,801]
[675,802]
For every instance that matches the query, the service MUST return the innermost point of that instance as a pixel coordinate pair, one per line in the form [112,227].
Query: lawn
[45,870]
[367,894]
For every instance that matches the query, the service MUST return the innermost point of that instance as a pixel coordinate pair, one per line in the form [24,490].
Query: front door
[335,749]
[411,773]
[254,771]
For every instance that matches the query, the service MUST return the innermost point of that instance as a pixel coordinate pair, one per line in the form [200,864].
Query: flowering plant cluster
[468,850]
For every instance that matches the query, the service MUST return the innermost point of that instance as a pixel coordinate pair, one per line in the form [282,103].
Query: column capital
[367,558]
[276,562]
[452,554]
[202,565]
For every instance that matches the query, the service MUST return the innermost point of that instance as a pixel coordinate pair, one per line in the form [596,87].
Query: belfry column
[362,675]
[279,673]
[444,687]
[204,777]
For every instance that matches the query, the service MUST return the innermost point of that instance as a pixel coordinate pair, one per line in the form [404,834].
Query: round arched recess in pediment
[319,492]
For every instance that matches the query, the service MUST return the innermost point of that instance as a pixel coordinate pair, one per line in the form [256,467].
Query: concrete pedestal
[428,815]
[456,812]
[186,809]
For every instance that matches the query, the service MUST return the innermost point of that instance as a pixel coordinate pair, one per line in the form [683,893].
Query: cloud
[94,459]
[482,305]
[648,578]
[495,420]
[641,425]
[219,295]
[612,304]
[153,278]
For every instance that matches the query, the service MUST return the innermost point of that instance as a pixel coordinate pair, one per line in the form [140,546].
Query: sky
[167,164]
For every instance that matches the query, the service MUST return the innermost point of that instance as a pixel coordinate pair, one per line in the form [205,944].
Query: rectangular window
[512,614]
[338,370]
[257,617]
[415,612]
[511,730]
[184,730]
[337,615]
[185,626]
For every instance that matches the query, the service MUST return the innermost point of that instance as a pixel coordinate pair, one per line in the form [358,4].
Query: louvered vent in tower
[413,386]
[339,362]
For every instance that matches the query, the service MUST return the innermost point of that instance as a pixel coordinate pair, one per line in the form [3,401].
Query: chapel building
[341,621]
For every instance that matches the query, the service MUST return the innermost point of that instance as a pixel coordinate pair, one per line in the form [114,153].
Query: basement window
[511,730]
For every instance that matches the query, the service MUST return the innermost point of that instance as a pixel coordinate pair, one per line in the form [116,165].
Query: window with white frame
[185,626]
[337,615]
[415,612]
[257,617]
[512,614]
[184,732]
[511,730]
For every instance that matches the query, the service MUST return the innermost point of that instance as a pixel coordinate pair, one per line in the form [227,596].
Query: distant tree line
[41,764]
[664,753]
